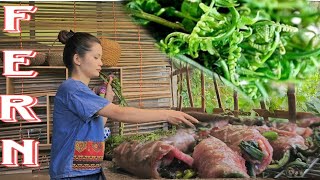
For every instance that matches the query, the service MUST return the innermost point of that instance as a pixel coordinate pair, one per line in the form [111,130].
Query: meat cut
[214,159]
[233,135]
[145,159]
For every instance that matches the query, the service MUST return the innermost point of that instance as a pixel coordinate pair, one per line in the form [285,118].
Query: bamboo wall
[143,70]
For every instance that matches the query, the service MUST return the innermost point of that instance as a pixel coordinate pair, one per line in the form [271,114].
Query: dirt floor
[109,172]
[44,174]
[26,176]
[112,174]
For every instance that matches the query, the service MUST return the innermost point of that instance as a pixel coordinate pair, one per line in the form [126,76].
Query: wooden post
[263,106]
[48,118]
[189,87]
[9,87]
[292,103]
[235,103]
[203,99]
[180,90]
[216,88]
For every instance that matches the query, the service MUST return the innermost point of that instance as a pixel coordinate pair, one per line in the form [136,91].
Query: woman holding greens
[78,139]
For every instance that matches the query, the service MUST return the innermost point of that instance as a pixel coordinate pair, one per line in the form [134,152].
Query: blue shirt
[77,140]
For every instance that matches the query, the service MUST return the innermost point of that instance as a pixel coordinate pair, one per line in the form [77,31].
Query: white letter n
[29,150]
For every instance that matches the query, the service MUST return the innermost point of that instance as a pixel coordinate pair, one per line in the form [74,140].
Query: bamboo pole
[216,88]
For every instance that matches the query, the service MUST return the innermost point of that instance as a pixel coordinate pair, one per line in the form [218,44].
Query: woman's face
[91,63]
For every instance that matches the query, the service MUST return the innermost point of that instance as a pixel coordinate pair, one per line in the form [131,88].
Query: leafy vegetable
[283,161]
[252,150]
[252,44]
[116,88]
[270,135]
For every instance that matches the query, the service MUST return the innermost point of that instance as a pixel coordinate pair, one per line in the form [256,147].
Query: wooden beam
[180,71]
[217,110]
[282,114]
[185,109]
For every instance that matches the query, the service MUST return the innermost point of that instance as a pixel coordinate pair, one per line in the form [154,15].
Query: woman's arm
[135,115]
[109,96]
[105,119]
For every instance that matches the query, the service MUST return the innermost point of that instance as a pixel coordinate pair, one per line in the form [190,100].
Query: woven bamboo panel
[47,81]
[146,87]
[142,83]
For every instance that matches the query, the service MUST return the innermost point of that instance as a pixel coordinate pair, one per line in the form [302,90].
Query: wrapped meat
[307,122]
[184,140]
[235,136]
[294,128]
[214,159]
[144,160]
[284,141]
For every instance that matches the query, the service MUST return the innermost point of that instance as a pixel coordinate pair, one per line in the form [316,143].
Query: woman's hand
[178,117]
[109,92]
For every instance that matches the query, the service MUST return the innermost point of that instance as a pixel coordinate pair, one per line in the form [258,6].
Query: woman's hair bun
[64,36]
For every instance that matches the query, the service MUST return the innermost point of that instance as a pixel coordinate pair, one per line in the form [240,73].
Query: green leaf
[191,7]
[188,24]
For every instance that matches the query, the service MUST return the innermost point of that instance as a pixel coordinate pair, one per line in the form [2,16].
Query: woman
[78,142]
